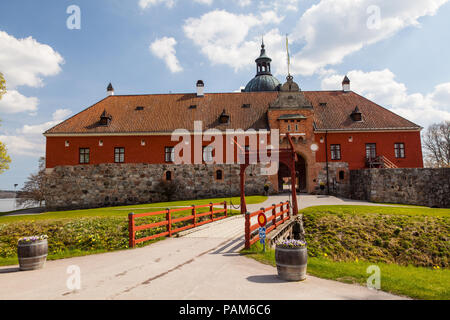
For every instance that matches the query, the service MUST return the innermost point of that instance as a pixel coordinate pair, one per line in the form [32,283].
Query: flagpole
[288,58]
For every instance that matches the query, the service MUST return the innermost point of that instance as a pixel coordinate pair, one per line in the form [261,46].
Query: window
[119,155]
[296,127]
[168,175]
[341,175]
[170,154]
[289,127]
[67,143]
[335,152]
[219,175]
[84,155]
[371,150]
[399,150]
[208,154]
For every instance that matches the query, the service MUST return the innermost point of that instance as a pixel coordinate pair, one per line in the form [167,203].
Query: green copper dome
[263,81]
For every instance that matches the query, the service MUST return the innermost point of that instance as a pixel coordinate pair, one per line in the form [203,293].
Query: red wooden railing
[132,228]
[273,221]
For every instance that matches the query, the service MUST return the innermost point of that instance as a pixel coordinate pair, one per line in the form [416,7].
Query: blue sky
[395,53]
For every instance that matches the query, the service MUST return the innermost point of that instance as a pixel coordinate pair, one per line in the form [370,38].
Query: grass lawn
[410,281]
[123,211]
[83,232]
[409,244]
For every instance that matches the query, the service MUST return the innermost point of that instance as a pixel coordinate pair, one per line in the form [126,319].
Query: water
[10,205]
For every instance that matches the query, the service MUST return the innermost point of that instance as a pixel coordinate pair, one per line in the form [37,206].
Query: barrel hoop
[31,244]
[290,250]
[291,265]
[28,258]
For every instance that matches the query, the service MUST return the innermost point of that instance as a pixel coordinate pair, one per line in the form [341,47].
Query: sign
[262,220]
[262,235]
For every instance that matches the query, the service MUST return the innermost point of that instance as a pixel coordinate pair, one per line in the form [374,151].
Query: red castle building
[333,132]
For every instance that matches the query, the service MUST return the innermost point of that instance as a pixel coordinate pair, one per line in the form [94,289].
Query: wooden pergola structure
[287,156]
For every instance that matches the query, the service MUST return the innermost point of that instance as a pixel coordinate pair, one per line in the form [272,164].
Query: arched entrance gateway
[285,176]
[287,157]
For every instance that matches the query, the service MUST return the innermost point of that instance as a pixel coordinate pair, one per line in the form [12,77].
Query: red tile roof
[167,112]
[335,115]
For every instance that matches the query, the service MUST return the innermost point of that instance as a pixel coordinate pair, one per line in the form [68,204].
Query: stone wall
[338,187]
[70,187]
[427,187]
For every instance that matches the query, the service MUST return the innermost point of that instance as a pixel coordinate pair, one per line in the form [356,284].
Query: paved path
[204,264]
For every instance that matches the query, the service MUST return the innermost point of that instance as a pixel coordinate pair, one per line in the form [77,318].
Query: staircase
[380,162]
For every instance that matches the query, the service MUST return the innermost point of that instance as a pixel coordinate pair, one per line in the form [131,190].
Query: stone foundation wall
[70,187]
[338,187]
[426,187]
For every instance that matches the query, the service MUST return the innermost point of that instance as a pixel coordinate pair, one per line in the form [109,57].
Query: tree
[436,142]
[34,188]
[5,160]
[2,85]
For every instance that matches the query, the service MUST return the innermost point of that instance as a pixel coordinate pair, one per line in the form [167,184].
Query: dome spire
[263,62]
[264,80]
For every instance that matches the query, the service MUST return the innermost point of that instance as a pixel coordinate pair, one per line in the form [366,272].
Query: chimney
[110,90]
[346,84]
[200,88]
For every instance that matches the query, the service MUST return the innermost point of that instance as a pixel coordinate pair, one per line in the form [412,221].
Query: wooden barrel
[32,256]
[291,263]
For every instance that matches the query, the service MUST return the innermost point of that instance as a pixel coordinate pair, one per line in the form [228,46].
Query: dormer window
[246,105]
[356,115]
[193,106]
[323,104]
[224,117]
[105,119]
[139,108]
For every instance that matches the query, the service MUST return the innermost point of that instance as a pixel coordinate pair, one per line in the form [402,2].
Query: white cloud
[382,88]
[223,37]
[23,146]
[15,102]
[58,116]
[333,29]
[25,61]
[144,4]
[29,141]
[207,2]
[279,5]
[164,49]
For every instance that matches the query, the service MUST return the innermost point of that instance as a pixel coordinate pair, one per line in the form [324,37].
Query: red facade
[353,147]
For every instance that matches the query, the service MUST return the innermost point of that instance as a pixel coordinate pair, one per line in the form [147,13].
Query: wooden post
[247,230]
[169,220]
[226,208]
[194,213]
[211,208]
[242,188]
[289,208]
[131,232]
[281,210]
[274,214]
